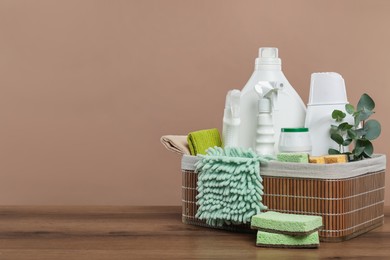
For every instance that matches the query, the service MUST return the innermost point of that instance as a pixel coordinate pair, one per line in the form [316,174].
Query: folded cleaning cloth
[176,143]
[200,141]
[229,186]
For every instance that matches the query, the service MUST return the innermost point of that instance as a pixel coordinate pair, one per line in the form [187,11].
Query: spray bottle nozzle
[268,90]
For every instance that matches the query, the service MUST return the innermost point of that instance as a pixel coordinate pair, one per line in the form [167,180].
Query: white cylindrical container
[265,134]
[327,93]
[295,140]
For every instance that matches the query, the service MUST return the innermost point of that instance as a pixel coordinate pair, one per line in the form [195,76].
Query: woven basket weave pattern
[349,206]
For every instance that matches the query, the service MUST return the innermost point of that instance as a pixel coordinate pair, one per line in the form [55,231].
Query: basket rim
[310,170]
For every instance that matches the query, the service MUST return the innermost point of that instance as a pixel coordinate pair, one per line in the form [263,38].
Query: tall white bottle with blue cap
[288,109]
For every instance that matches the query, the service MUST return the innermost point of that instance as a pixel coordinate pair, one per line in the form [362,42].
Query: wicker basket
[349,197]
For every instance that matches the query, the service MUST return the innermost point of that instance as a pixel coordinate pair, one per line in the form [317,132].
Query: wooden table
[149,233]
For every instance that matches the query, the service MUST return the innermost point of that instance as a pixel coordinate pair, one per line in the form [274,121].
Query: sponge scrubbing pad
[293,157]
[290,224]
[266,239]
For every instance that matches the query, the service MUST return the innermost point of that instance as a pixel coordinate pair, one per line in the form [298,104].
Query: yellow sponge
[317,159]
[336,158]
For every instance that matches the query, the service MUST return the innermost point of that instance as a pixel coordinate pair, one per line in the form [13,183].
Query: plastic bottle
[231,119]
[288,108]
[265,134]
[327,93]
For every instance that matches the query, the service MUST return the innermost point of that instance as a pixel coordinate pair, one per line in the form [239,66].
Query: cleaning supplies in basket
[200,141]
[229,186]
[286,230]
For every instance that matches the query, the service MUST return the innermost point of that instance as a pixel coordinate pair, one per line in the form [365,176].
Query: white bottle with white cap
[288,108]
[327,93]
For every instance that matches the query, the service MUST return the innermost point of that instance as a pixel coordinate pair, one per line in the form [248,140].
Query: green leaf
[364,115]
[351,133]
[347,142]
[372,128]
[368,149]
[333,151]
[358,151]
[338,115]
[360,132]
[333,129]
[350,109]
[363,146]
[365,101]
[344,126]
[337,138]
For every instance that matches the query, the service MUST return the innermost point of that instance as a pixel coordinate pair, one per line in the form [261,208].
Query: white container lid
[327,88]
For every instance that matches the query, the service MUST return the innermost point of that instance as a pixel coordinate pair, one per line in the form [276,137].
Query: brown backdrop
[88,87]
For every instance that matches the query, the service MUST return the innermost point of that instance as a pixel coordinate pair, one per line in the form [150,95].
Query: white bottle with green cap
[288,109]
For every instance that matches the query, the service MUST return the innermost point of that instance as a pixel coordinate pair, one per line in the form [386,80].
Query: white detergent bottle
[288,108]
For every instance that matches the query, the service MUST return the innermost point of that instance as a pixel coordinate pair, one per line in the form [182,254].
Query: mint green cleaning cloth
[229,186]
[201,140]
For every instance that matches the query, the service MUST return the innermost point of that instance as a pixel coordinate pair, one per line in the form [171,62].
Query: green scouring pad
[265,239]
[290,224]
[293,157]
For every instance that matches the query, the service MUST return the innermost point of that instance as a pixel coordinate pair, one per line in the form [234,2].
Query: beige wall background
[88,87]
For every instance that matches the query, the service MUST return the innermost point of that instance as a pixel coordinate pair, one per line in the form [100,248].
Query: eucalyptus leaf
[338,115]
[334,129]
[337,138]
[364,115]
[358,151]
[350,109]
[365,101]
[368,148]
[364,149]
[344,126]
[351,133]
[365,155]
[347,142]
[360,132]
[372,129]
[333,151]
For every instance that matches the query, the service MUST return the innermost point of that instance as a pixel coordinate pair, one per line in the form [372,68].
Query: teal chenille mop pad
[229,186]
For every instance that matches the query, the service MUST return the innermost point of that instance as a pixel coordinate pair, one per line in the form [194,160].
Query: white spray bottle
[289,110]
[231,119]
[265,134]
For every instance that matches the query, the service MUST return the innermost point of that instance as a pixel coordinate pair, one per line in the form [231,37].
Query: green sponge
[293,157]
[290,224]
[266,239]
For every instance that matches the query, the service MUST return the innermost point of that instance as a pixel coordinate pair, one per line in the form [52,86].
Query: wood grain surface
[150,233]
